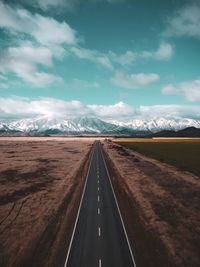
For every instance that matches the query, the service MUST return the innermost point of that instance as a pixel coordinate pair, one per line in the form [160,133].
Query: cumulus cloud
[134,81]
[23,62]
[189,89]
[24,107]
[164,52]
[112,111]
[45,30]
[169,111]
[185,22]
[47,36]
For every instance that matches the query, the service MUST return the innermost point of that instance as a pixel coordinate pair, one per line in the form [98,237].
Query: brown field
[160,205]
[180,152]
[40,180]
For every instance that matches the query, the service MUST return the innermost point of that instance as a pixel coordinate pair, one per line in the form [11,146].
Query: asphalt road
[99,237]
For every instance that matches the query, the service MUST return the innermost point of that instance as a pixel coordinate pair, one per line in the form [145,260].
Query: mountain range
[48,125]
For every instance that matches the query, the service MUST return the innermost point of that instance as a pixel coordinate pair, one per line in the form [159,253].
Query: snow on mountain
[158,124]
[86,125]
[48,124]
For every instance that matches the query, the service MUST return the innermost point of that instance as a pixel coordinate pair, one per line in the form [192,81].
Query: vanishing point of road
[99,238]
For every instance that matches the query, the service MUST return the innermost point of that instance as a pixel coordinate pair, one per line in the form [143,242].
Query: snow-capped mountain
[51,125]
[48,125]
[157,125]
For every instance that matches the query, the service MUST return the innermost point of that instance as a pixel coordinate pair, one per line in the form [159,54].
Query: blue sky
[114,59]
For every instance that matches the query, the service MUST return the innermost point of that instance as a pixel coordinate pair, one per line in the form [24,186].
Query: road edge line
[129,246]
[80,204]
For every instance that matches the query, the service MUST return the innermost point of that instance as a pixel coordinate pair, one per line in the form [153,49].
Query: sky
[112,59]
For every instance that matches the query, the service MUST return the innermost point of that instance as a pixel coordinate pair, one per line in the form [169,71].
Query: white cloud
[189,89]
[169,111]
[83,84]
[117,110]
[164,52]
[124,59]
[23,107]
[48,37]
[111,59]
[23,62]
[134,81]
[185,22]
[93,56]
[45,30]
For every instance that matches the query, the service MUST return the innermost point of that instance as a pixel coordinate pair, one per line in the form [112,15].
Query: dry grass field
[40,181]
[159,202]
[180,152]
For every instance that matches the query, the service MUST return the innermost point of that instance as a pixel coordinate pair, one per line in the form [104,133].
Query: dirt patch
[161,207]
[40,189]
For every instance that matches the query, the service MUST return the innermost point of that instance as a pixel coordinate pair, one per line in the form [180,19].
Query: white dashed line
[98,188]
[98,198]
[98,181]
[99,231]
[133,260]
[100,263]
[98,211]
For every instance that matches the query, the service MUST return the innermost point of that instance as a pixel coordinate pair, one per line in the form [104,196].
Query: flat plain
[40,179]
[159,202]
[180,152]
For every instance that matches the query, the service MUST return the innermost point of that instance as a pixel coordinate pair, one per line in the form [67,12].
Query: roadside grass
[184,154]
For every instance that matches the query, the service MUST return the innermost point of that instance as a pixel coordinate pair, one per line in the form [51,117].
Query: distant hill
[187,132]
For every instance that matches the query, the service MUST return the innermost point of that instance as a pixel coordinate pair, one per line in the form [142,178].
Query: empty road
[99,237]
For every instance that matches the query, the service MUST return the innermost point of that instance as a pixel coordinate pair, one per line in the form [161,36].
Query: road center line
[100,263]
[99,231]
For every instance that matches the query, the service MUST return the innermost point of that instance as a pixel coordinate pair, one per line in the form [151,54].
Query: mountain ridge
[48,125]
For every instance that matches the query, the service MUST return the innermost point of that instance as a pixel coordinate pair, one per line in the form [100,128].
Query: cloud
[17,107]
[111,59]
[93,56]
[169,111]
[112,111]
[67,4]
[47,4]
[184,22]
[47,38]
[189,89]
[124,59]
[24,107]
[83,84]
[23,62]
[45,30]
[164,52]
[134,81]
